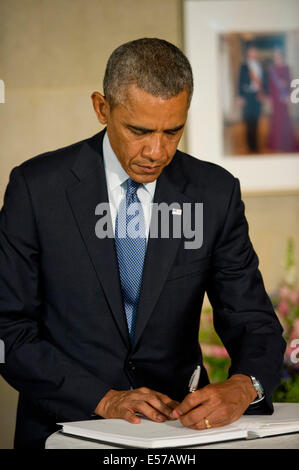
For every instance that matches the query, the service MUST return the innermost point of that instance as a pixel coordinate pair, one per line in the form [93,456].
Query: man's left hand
[220,403]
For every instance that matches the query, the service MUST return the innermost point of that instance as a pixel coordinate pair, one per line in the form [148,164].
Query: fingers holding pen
[191,401]
[216,404]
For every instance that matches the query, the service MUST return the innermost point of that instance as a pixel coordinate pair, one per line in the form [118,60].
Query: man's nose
[154,149]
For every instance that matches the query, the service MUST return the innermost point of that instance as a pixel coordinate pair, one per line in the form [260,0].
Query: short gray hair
[154,65]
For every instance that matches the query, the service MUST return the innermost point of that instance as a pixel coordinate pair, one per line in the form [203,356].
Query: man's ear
[101,107]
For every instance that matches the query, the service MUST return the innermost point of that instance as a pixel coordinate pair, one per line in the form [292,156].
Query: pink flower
[284,292]
[215,350]
[283,308]
[295,331]
[210,318]
[294,297]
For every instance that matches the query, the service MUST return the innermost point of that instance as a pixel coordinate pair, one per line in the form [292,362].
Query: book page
[146,429]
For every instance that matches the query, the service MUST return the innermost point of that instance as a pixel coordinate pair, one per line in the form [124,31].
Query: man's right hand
[126,403]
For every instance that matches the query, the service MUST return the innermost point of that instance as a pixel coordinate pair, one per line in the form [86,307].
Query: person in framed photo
[251,95]
[281,133]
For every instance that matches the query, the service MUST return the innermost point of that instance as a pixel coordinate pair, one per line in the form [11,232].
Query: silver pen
[193,382]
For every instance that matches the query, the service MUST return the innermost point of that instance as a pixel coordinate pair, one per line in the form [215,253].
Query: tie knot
[132,186]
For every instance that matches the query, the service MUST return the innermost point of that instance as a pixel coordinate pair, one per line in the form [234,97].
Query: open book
[149,434]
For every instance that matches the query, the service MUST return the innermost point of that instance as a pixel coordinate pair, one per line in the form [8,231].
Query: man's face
[252,53]
[144,131]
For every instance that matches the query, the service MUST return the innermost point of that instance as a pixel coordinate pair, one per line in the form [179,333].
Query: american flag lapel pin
[176,211]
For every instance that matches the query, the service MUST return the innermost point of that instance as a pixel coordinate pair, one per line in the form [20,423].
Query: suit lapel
[89,190]
[160,255]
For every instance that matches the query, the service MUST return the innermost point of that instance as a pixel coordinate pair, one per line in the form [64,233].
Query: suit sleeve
[243,314]
[34,366]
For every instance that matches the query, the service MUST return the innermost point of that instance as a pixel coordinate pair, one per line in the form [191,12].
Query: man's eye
[171,132]
[138,131]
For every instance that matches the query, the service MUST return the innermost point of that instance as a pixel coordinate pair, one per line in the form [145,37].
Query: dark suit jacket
[61,311]
[253,106]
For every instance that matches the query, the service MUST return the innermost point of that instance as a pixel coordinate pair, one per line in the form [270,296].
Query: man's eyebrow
[177,128]
[145,129]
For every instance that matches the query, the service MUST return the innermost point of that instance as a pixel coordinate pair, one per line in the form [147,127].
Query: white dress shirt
[116,178]
[257,70]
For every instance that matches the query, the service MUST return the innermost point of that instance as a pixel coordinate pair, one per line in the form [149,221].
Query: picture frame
[204,23]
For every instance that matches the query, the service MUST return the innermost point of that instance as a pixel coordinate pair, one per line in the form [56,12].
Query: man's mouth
[148,168]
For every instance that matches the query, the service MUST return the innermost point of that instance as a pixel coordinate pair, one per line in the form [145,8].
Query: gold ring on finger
[207,423]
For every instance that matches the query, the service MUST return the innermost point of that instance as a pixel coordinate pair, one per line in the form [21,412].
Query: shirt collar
[115,174]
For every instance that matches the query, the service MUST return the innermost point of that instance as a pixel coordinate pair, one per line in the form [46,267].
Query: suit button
[131,365]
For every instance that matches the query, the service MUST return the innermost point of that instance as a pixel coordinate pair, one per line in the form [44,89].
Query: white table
[286,441]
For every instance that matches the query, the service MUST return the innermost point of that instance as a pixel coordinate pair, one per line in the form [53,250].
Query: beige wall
[272,220]
[52,56]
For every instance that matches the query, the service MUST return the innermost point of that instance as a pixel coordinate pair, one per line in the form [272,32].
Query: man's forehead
[132,95]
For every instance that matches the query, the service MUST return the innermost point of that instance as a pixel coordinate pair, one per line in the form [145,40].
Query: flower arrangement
[286,304]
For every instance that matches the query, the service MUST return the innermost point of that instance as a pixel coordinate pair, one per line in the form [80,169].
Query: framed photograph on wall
[244,115]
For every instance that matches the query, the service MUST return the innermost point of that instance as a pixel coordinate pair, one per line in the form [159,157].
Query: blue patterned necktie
[130,245]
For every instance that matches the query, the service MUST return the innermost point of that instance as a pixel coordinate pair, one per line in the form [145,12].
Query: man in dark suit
[106,326]
[251,95]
